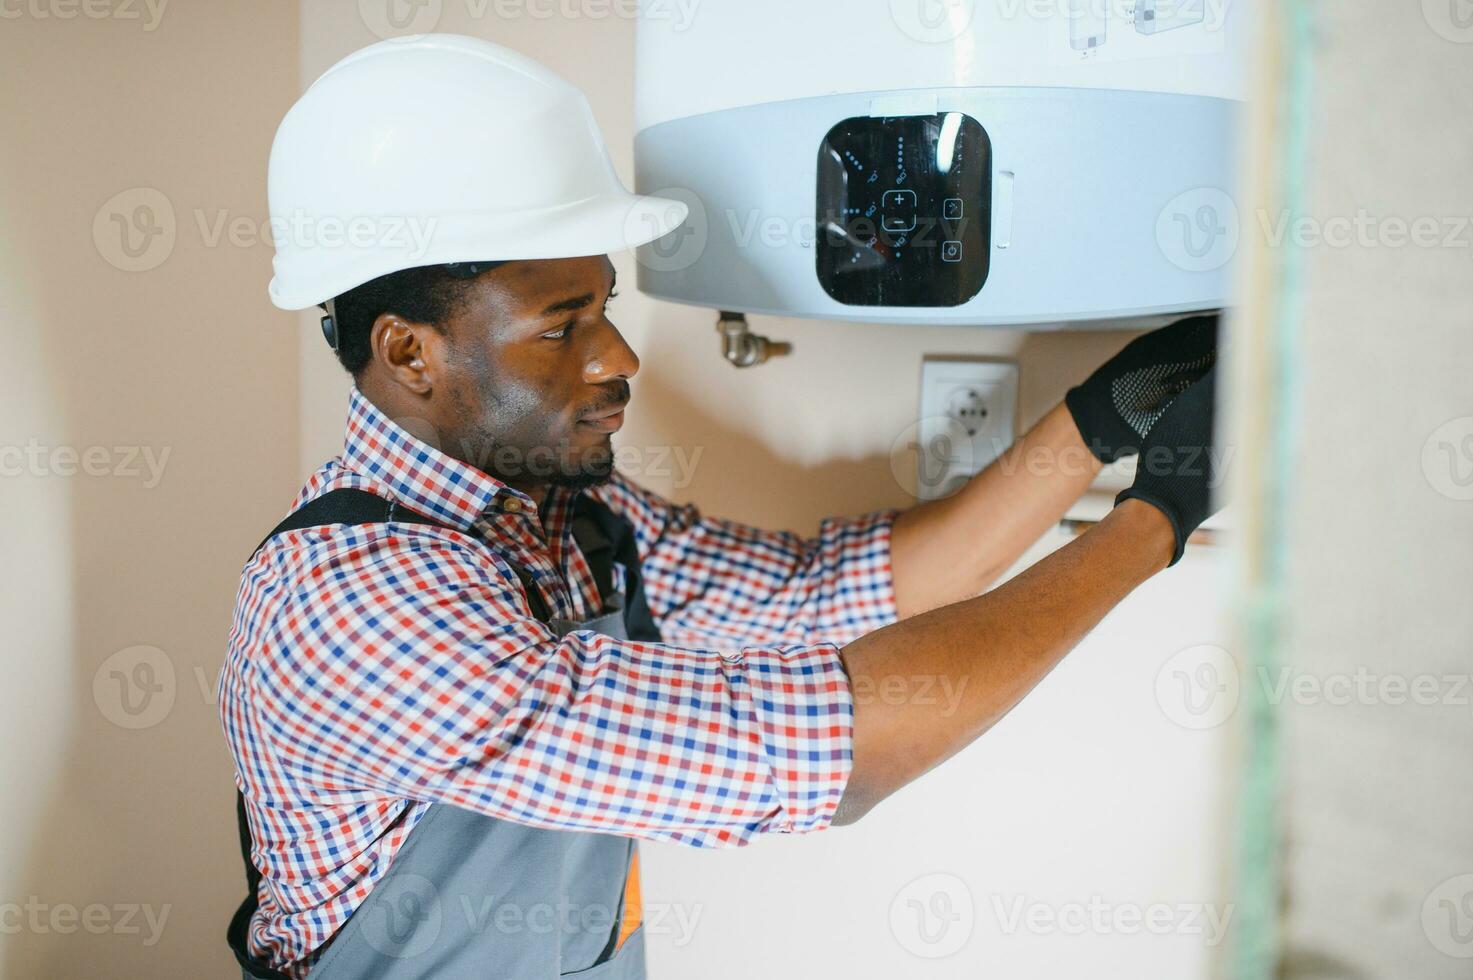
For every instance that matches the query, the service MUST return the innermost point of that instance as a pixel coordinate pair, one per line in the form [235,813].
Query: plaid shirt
[375,670]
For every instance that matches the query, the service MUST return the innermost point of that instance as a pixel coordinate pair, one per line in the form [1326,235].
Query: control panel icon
[951,251]
[899,211]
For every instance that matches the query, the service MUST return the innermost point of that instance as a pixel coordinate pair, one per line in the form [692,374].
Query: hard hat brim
[376,246]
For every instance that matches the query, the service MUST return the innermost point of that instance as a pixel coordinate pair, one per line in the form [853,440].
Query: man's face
[533,377]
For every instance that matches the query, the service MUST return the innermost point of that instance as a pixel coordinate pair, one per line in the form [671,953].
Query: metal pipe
[743,348]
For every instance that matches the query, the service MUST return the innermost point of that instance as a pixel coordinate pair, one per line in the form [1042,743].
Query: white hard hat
[442,148]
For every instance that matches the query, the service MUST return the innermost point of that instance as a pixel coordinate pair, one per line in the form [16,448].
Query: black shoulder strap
[343,506]
[604,538]
[357,507]
[347,506]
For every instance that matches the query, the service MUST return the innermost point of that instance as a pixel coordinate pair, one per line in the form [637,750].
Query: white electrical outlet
[969,412]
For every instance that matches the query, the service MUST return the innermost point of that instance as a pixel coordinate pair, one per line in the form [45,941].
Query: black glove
[1115,408]
[1176,471]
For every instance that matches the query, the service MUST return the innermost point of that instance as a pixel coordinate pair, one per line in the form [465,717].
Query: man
[476,663]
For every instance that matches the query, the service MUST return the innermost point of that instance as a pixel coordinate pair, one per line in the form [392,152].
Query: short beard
[550,466]
[586,478]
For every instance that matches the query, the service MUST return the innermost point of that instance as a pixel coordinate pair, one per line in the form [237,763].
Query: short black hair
[426,294]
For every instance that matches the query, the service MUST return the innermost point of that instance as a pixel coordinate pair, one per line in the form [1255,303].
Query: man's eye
[559,333]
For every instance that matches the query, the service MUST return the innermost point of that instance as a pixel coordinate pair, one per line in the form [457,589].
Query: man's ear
[403,350]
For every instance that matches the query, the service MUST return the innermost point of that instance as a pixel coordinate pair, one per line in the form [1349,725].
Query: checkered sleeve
[712,581]
[407,663]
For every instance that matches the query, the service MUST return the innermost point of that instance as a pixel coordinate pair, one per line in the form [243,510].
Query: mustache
[618,395]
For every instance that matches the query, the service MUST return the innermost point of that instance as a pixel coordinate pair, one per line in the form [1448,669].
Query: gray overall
[468,895]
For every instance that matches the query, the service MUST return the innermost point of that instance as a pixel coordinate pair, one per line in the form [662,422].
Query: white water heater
[987,162]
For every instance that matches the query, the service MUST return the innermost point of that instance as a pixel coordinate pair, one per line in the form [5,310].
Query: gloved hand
[1115,408]
[1176,472]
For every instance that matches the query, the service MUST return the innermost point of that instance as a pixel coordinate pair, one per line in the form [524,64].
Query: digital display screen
[904,210]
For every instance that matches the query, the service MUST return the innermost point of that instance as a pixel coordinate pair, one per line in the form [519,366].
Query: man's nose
[610,358]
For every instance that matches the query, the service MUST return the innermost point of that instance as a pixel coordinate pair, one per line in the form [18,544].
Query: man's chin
[594,467]
[582,481]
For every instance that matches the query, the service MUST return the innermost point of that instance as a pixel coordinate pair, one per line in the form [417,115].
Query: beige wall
[187,358]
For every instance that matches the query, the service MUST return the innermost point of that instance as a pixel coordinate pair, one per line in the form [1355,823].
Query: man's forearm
[991,650]
[948,550]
